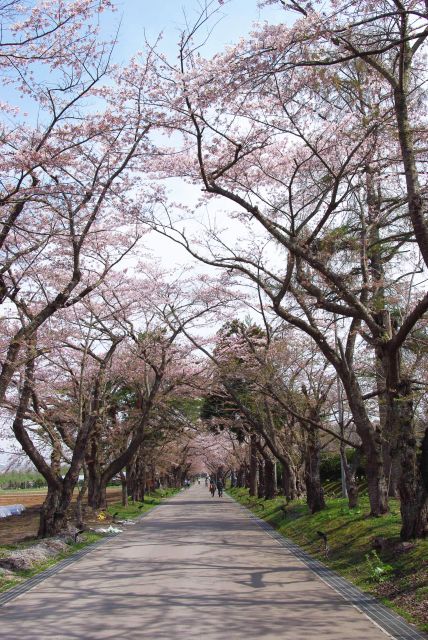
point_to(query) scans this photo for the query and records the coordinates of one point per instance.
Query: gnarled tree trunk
(289, 480)
(314, 490)
(413, 483)
(371, 439)
(270, 480)
(53, 515)
(351, 484)
(97, 499)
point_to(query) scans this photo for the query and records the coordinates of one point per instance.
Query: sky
(142, 19)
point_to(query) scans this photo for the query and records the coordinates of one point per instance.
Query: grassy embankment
(132, 511)
(399, 580)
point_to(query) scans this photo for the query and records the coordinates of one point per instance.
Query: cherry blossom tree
(275, 390)
(300, 130)
(101, 380)
(66, 167)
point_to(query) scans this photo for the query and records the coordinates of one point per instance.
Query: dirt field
(29, 498)
(18, 528)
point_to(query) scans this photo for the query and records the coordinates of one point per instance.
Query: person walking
(220, 487)
(212, 488)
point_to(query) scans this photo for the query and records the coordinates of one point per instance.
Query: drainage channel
(389, 622)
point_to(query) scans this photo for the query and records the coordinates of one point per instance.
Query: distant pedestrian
(212, 488)
(220, 488)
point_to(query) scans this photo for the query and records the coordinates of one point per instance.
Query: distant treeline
(21, 480)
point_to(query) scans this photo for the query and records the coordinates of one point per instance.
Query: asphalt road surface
(195, 567)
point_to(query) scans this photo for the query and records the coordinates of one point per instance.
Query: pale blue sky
(141, 17)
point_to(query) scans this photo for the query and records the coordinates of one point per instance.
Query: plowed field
(18, 528)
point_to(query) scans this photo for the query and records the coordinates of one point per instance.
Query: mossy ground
(402, 579)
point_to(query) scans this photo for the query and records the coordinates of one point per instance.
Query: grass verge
(9, 581)
(135, 509)
(132, 511)
(399, 580)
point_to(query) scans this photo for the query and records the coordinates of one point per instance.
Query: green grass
(333, 488)
(135, 509)
(350, 534)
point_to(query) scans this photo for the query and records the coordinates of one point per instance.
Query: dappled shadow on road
(193, 568)
(119, 611)
(195, 503)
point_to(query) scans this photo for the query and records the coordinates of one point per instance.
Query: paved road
(195, 567)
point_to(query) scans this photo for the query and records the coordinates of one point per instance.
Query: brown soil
(24, 527)
(27, 498)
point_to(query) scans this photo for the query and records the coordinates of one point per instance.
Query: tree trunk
(130, 480)
(152, 482)
(351, 484)
(142, 481)
(411, 486)
(94, 479)
(100, 496)
(376, 484)
(314, 491)
(79, 501)
(289, 481)
(93, 465)
(48, 513)
(240, 479)
(371, 439)
(392, 465)
(253, 480)
(261, 478)
(53, 515)
(269, 479)
(97, 491)
(413, 483)
(391, 462)
(136, 482)
(124, 489)
(415, 199)
(388, 376)
(178, 477)
(383, 319)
